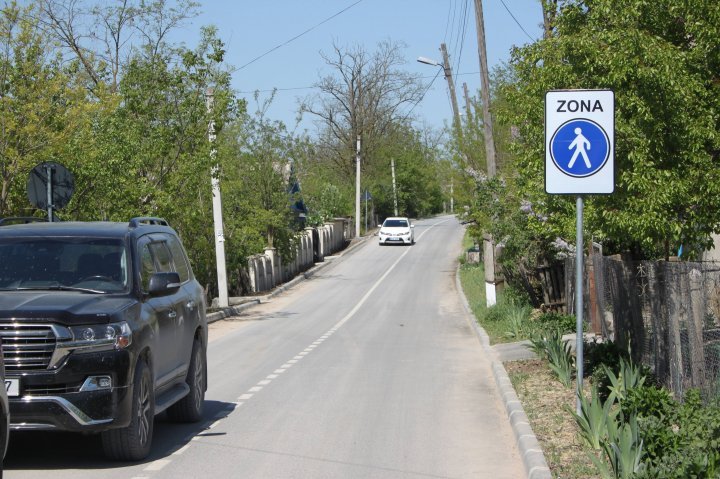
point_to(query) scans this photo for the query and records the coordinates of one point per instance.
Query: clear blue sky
(251, 28)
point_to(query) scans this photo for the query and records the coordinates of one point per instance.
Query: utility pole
(452, 197)
(451, 86)
(392, 167)
(357, 188)
(488, 243)
(217, 207)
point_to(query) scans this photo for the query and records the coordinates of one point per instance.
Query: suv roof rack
(147, 220)
(13, 220)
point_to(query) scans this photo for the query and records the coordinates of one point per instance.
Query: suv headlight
(100, 336)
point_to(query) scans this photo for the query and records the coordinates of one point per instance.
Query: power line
(297, 36)
(270, 90)
(447, 22)
(516, 21)
(422, 96)
(462, 40)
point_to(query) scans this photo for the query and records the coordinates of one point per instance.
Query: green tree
(256, 178)
(661, 59)
(39, 106)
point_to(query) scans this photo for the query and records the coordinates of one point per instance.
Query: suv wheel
(190, 408)
(132, 443)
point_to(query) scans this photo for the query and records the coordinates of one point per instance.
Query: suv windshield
(96, 265)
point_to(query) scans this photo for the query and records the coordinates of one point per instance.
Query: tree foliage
(101, 88)
(661, 59)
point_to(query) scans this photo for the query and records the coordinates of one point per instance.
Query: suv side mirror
(162, 284)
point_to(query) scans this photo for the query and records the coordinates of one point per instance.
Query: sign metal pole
(48, 171)
(579, 301)
(579, 160)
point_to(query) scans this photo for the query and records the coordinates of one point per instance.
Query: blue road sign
(580, 148)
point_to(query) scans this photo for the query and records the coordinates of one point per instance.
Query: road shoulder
(533, 458)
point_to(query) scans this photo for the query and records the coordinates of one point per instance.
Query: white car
(397, 230)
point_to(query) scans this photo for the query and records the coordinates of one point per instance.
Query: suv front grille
(27, 346)
(52, 390)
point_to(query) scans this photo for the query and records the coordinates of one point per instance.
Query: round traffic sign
(62, 185)
(579, 148)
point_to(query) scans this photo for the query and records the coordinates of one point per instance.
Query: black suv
(103, 326)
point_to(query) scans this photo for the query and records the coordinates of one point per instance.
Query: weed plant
(549, 344)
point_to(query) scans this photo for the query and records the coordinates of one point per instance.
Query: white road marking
(157, 465)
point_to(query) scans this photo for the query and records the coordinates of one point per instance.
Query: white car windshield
(395, 224)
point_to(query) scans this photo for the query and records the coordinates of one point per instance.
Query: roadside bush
(682, 440)
(597, 353)
(514, 295)
(647, 401)
(566, 323)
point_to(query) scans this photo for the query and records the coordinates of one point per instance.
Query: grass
(467, 243)
(499, 321)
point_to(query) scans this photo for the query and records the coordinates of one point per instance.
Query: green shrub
(564, 322)
(605, 352)
(516, 296)
(682, 440)
(648, 400)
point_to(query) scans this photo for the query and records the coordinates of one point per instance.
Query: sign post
(579, 160)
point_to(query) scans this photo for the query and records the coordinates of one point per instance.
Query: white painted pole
(392, 168)
(452, 198)
(217, 208)
(357, 189)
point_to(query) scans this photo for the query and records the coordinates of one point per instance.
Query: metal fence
(666, 313)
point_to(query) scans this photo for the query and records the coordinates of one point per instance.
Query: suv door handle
(191, 305)
(172, 314)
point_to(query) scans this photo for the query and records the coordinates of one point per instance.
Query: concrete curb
(249, 301)
(532, 454)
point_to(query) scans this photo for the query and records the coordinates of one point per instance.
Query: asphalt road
(367, 370)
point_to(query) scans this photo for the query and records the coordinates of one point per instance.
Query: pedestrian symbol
(580, 139)
(579, 143)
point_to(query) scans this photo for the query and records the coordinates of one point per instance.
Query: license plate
(12, 386)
